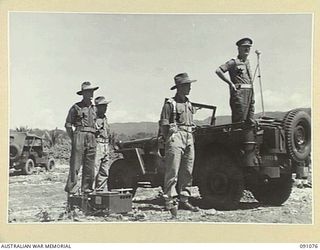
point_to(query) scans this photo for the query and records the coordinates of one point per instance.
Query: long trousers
(179, 159)
(102, 165)
(242, 105)
(83, 154)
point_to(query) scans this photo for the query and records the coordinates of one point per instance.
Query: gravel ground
(40, 198)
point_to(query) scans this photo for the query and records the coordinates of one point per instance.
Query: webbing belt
(244, 86)
(102, 140)
(187, 128)
(85, 129)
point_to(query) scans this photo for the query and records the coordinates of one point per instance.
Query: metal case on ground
(116, 201)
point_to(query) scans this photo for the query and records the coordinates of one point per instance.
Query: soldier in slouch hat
(176, 123)
(102, 137)
(80, 126)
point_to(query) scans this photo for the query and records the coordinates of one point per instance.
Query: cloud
(281, 101)
(152, 117)
(117, 115)
(43, 119)
(134, 116)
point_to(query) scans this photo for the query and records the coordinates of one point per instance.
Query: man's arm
(70, 132)
(164, 122)
(69, 122)
(220, 73)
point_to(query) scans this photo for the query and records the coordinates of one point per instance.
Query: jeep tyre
(297, 125)
(221, 181)
(122, 176)
(14, 152)
(50, 165)
(275, 191)
(28, 167)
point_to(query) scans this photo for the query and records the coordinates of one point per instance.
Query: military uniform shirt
(239, 71)
(81, 115)
(83, 152)
(184, 114)
(102, 128)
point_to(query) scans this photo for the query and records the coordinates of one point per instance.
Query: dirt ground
(40, 198)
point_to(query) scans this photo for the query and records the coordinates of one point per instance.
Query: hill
(145, 129)
(133, 128)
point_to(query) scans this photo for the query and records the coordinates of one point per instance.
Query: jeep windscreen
(29, 143)
(206, 117)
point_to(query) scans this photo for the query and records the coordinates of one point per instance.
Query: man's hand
(225, 79)
(232, 87)
(173, 129)
(70, 132)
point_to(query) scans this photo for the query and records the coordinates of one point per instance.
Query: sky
(133, 58)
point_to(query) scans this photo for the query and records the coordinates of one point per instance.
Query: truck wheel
(28, 167)
(274, 192)
(50, 164)
(122, 176)
(297, 125)
(221, 181)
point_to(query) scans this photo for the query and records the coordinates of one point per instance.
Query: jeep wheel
(221, 182)
(28, 167)
(273, 192)
(50, 164)
(297, 127)
(122, 176)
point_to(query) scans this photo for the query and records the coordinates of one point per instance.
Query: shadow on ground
(201, 203)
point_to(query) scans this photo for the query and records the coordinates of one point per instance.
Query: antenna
(258, 52)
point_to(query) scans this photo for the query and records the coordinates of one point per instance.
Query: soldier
(103, 131)
(240, 83)
(80, 126)
(176, 124)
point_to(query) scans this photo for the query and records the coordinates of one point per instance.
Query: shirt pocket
(240, 70)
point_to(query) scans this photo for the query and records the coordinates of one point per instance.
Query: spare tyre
(122, 176)
(14, 152)
(297, 125)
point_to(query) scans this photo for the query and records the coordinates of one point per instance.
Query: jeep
(228, 159)
(28, 151)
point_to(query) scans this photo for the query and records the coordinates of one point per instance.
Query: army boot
(172, 206)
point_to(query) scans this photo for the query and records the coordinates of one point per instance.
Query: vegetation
(59, 143)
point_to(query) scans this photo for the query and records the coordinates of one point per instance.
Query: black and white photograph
(168, 118)
(160, 118)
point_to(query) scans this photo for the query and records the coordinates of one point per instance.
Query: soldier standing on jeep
(240, 83)
(176, 123)
(102, 134)
(80, 126)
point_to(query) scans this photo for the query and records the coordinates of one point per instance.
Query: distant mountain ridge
(151, 128)
(132, 128)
